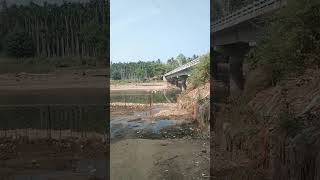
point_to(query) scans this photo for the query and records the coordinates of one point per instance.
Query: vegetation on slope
(292, 43)
(201, 73)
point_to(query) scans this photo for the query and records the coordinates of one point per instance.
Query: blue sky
(152, 29)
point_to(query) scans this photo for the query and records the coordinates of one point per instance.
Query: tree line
(147, 69)
(70, 29)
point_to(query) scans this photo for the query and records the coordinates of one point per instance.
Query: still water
(144, 97)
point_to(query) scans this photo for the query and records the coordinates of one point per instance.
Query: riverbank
(63, 78)
(270, 132)
(156, 86)
(60, 87)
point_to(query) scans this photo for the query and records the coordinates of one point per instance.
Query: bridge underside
(179, 79)
(248, 32)
(234, 43)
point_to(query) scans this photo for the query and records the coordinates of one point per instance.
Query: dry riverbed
(163, 143)
(141, 86)
(170, 159)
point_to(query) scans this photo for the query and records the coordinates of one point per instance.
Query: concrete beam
(248, 32)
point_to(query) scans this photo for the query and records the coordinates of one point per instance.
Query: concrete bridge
(179, 75)
(234, 34)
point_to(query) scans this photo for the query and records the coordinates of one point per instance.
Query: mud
(162, 145)
(70, 158)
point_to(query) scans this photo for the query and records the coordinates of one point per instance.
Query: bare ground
(67, 158)
(141, 87)
(61, 87)
(178, 159)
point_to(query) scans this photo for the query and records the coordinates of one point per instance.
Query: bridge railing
(185, 66)
(258, 7)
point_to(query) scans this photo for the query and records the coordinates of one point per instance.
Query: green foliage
(116, 75)
(201, 73)
(292, 43)
(19, 44)
(181, 59)
(172, 64)
(66, 29)
(290, 124)
(95, 36)
(144, 70)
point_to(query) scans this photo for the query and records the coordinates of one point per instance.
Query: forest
(49, 30)
(146, 69)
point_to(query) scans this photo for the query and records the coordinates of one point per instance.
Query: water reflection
(143, 97)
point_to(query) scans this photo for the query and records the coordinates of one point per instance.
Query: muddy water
(139, 125)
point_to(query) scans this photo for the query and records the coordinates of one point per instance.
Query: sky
(158, 29)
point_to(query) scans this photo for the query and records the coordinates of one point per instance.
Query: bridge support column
(236, 53)
(183, 83)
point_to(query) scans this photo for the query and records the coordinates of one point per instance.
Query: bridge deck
(183, 67)
(255, 9)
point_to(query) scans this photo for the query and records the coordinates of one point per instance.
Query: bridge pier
(180, 82)
(178, 76)
(184, 82)
(235, 53)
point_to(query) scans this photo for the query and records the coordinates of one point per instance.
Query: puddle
(135, 126)
(124, 127)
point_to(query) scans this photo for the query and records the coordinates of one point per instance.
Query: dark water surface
(144, 97)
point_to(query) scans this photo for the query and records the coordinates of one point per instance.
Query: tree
(201, 73)
(69, 29)
(292, 42)
(19, 44)
(194, 57)
(144, 69)
(116, 75)
(181, 59)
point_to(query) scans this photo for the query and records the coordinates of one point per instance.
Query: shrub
(116, 75)
(292, 42)
(201, 73)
